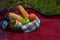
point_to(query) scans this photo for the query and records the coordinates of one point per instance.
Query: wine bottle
(10, 21)
(13, 24)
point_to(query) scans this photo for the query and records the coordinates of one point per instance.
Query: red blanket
(49, 30)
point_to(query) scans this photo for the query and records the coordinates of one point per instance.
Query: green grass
(7, 3)
(46, 7)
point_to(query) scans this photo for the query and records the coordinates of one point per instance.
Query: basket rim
(33, 21)
(24, 26)
(37, 19)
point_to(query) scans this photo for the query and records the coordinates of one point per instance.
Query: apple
(32, 16)
(25, 21)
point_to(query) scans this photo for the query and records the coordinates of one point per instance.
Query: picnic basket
(30, 27)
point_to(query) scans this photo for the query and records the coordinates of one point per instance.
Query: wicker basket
(30, 27)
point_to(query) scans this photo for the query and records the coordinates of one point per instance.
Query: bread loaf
(15, 16)
(23, 11)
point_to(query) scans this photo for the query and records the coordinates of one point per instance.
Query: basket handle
(18, 4)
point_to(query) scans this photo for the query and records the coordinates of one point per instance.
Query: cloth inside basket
(32, 26)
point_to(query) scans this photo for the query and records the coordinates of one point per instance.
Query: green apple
(26, 21)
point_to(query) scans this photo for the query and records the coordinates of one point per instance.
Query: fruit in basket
(32, 16)
(26, 21)
(23, 11)
(15, 16)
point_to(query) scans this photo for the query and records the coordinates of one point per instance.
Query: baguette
(23, 11)
(15, 16)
